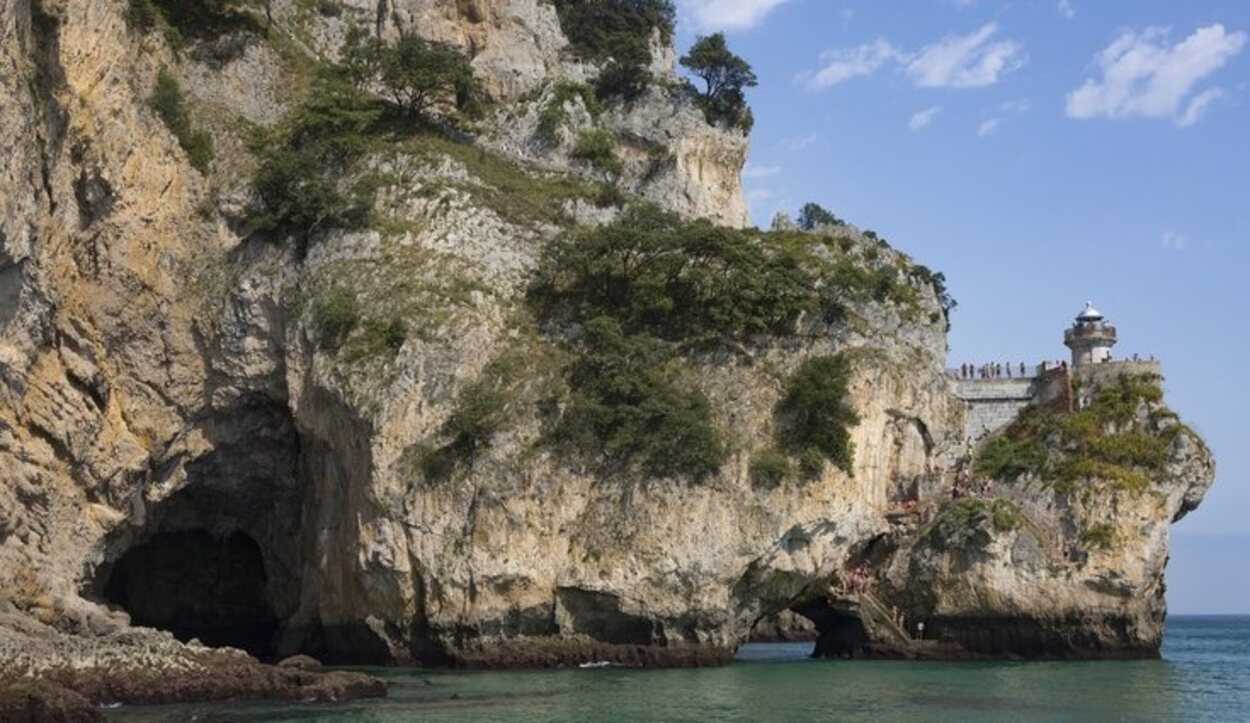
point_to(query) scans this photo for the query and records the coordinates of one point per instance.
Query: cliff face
(167, 387)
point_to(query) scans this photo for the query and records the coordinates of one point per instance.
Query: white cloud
(846, 63)
(1175, 241)
(956, 61)
(923, 118)
(1198, 106)
(753, 171)
(965, 61)
(728, 14)
(1143, 76)
(1066, 9)
(988, 126)
(798, 143)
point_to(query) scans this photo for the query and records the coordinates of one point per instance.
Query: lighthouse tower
(1090, 338)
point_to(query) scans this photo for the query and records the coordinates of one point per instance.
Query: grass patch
(554, 114)
(168, 102)
(598, 148)
(335, 317)
(1100, 535)
(512, 193)
(770, 468)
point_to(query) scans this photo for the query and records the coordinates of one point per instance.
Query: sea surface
(1204, 676)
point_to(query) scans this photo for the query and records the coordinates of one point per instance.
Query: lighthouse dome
(1090, 313)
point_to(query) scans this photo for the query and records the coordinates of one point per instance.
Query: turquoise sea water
(1204, 676)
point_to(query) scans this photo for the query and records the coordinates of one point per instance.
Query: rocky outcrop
(50, 676)
(170, 406)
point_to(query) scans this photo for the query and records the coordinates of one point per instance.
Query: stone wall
(992, 403)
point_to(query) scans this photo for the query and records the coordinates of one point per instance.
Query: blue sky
(1040, 153)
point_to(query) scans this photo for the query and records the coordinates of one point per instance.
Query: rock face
(673, 157)
(165, 388)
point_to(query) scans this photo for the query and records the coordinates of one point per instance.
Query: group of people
(966, 486)
(990, 371)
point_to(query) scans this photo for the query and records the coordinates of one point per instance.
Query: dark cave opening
(198, 585)
(841, 632)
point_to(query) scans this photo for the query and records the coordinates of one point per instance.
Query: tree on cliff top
(596, 28)
(725, 75)
(813, 216)
(617, 34)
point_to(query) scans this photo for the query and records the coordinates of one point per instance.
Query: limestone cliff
(169, 390)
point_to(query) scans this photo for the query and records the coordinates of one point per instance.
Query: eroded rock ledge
(48, 675)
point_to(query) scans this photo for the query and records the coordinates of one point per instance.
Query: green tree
(595, 28)
(617, 34)
(303, 159)
(626, 75)
(813, 216)
(815, 414)
(725, 76)
(419, 74)
(415, 74)
(626, 407)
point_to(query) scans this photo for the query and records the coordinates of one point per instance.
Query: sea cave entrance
(195, 584)
(841, 629)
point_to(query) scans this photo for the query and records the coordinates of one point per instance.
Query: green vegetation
(815, 416)
(811, 463)
(1002, 514)
(692, 280)
(597, 29)
(1005, 516)
(922, 274)
(502, 186)
(428, 81)
(169, 104)
(598, 148)
(770, 468)
(305, 159)
(142, 15)
(553, 115)
(1100, 535)
(335, 317)
(813, 216)
(378, 337)
(674, 279)
(481, 411)
(654, 286)
(616, 34)
(1100, 442)
(628, 405)
(725, 76)
(197, 19)
(626, 75)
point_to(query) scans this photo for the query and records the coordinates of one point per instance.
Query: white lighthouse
(1090, 338)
